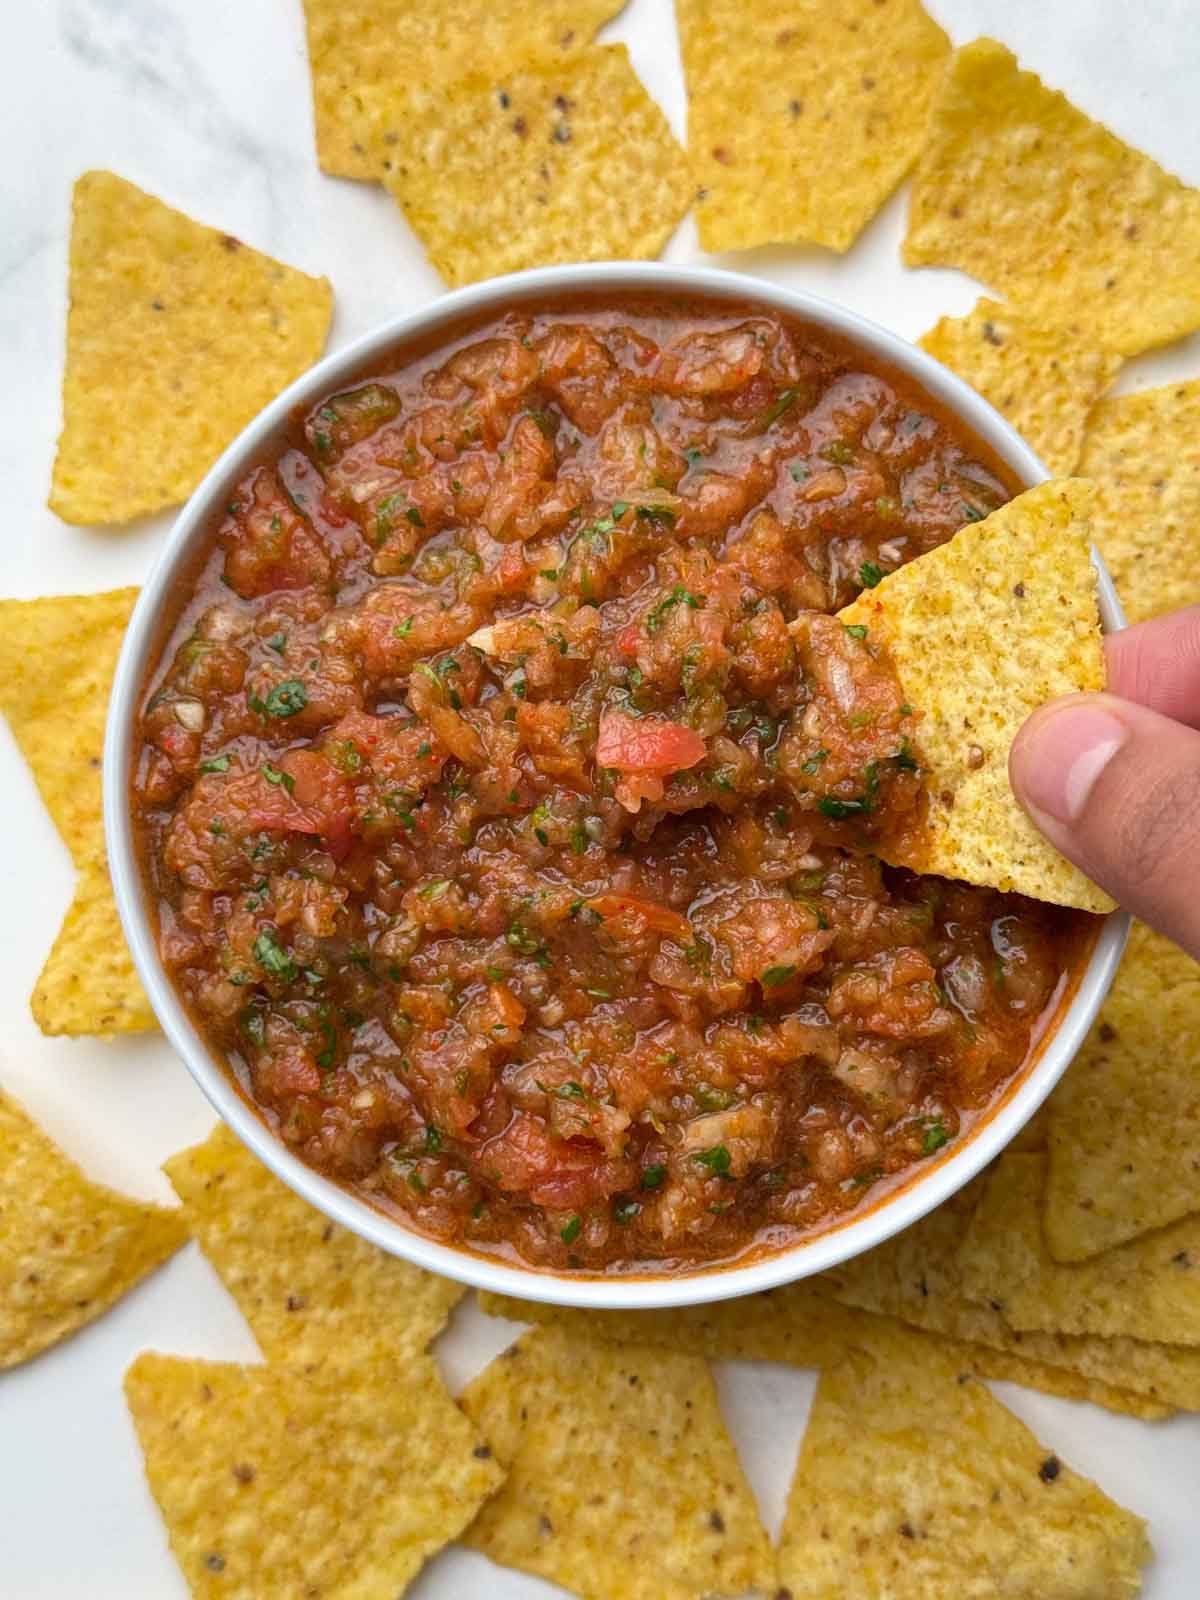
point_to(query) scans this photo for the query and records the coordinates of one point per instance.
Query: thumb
(1116, 787)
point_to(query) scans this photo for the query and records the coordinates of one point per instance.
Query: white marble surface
(205, 102)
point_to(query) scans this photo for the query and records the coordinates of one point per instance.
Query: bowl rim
(917, 1194)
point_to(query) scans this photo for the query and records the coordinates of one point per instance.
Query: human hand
(1113, 780)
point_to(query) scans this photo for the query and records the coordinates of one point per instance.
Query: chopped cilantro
(658, 514)
(215, 764)
(624, 1211)
(935, 1136)
(814, 761)
(653, 1175)
(828, 806)
(774, 976)
(856, 630)
(403, 629)
(717, 1160)
(678, 596)
(572, 1230)
(272, 957)
(869, 574)
(275, 776)
(782, 401)
(286, 699)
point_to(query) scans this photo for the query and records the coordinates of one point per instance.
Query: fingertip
(1060, 752)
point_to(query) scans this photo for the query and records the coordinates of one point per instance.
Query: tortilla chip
(88, 984)
(1044, 380)
(801, 1326)
(982, 631)
(556, 159)
(276, 1483)
(623, 1484)
(917, 1278)
(310, 1291)
(1035, 1135)
(177, 334)
(1125, 1120)
(1146, 1289)
(57, 659)
(356, 44)
(803, 117)
(1020, 189)
(1144, 450)
(915, 1484)
(69, 1248)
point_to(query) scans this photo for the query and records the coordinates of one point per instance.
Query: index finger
(1157, 664)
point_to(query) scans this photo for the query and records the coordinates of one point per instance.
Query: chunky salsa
(510, 793)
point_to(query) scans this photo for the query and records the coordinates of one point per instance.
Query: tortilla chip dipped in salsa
(69, 1248)
(357, 45)
(916, 1483)
(57, 658)
(622, 1481)
(803, 116)
(277, 1482)
(1044, 380)
(981, 632)
(1019, 188)
(177, 334)
(525, 164)
(310, 1291)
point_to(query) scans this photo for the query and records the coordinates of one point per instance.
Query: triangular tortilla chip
(917, 1278)
(1024, 192)
(1146, 1289)
(560, 158)
(311, 1291)
(1125, 1120)
(278, 1483)
(800, 1326)
(57, 658)
(1144, 452)
(1044, 380)
(623, 1484)
(917, 1484)
(177, 335)
(803, 116)
(69, 1248)
(89, 984)
(981, 632)
(356, 44)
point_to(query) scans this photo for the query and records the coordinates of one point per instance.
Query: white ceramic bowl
(919, 1194)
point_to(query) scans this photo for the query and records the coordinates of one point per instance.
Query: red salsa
(510, 793)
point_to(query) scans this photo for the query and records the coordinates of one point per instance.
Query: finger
(1157, 664)
(1116, 787)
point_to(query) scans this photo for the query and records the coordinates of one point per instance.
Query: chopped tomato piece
(632, 912)
(647, 744)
